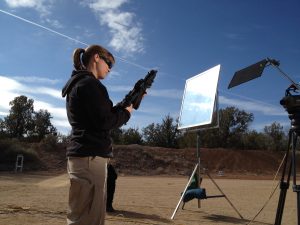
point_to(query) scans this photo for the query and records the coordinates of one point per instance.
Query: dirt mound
(141, 160)
(145, 160)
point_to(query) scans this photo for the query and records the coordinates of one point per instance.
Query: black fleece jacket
(91, 115)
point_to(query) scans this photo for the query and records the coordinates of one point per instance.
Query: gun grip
(137, 102)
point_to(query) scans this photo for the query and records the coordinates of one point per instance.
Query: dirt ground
(41, 199)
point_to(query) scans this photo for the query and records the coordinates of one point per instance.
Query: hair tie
(81, 56)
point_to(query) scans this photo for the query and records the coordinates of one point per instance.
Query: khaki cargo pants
(87, 194)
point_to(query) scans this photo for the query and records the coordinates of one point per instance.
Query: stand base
(213, 196)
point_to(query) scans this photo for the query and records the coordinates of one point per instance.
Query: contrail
(68, 37)
(43, 27)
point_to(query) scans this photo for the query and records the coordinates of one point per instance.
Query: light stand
(199, 111)
(197, 166)
(292, 105)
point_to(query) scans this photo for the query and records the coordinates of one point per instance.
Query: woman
(91, 115)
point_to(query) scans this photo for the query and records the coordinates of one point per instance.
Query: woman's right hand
(129, 108)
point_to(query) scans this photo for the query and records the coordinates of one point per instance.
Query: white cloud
(58, 112)
(54, 23)
(126, 33)
(22, 3)
(38, 5)
(3, 113)
(163, 93)
(166, 93)
(43, 7)
(202, 106)
(43, 90)
(150, 114)
(125, 30)
(253, 106)
(119, 88)
(11, 88)
(107, 4)
(33, 79)
(113, 74)
(59, 120)
(83, 33)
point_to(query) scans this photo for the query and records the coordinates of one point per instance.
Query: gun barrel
(150, 77)
(135, 95)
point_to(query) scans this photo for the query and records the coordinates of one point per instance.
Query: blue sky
(179, 38)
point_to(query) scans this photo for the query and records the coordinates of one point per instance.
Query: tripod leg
(199, 167)
(284, 185)
(296, 188)
(224, 195)
(181, 198)
(298, 206)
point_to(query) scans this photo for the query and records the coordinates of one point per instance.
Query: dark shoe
(110, 209)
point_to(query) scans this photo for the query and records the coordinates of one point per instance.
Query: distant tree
(116, 135)
(210, 138)
(187, 140)
(23, 122)
(151, 134)
(2, 126)
(131, 136)
(233, 124)
(3, 133)
(276, 135)
(169, 132)
(19, 120)
(163, 135)
(42, 124)
(255, 140)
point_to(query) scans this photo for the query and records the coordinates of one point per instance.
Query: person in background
(91, 115)
(111, 186)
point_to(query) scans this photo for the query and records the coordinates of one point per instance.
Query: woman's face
(102, 68)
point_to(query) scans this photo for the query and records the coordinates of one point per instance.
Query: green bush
(10, 148)
(49, 143)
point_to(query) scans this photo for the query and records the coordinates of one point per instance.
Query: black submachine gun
(135, 96)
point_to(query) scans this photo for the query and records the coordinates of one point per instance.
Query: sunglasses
(107, 61)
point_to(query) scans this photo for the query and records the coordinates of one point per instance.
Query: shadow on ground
(232, 220)
(135, 215)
